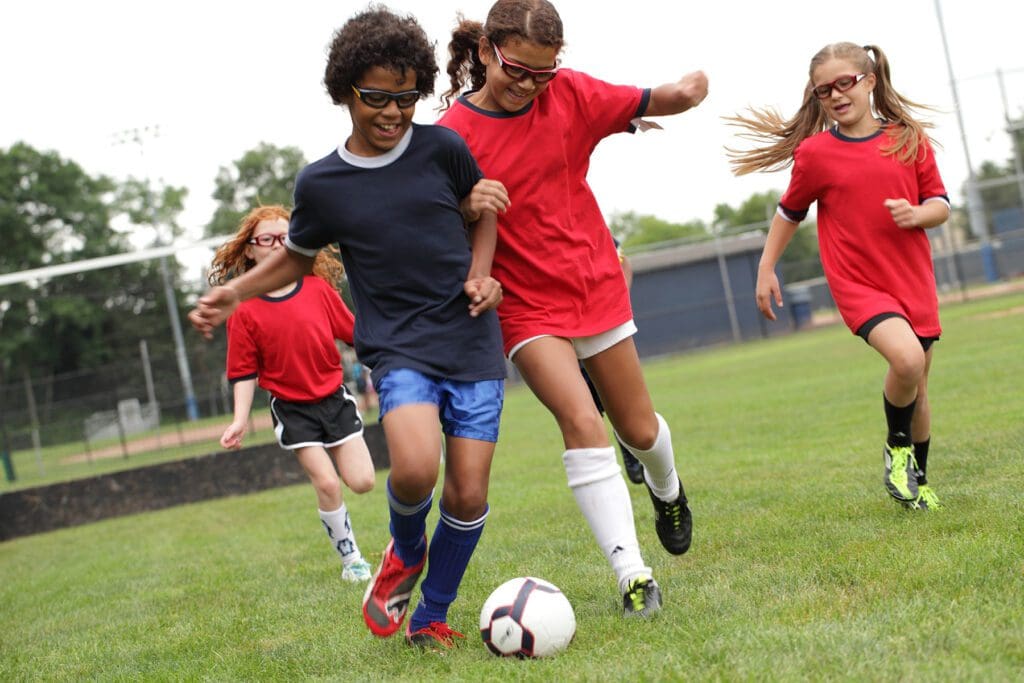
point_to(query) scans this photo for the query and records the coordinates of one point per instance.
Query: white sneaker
(356, 572)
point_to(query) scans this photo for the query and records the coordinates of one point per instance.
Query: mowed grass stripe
(801, 567)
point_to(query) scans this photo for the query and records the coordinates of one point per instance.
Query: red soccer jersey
(555, 259)
(872, 265)
(287, 342)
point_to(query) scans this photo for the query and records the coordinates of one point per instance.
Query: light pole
(723, 271)
(975, 208)
(137, 135)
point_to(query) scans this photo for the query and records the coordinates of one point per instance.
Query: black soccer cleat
(634, 469)
(673, 522)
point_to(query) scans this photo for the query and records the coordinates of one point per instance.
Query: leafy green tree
(801, 260)
(1008, 195)
(52, 212)
(757, 210)
(264, 175)
(155, 207)
(633, 229)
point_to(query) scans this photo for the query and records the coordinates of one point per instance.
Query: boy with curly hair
(393, 197)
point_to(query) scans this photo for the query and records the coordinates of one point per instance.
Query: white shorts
(588, 346)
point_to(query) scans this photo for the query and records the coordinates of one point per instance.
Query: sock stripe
(407, 509)
(460, 525)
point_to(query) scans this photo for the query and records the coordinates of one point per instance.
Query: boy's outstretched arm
(277, 270)
(675, 98)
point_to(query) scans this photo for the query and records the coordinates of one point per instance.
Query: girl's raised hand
(484, 294)
(486, 195)
(766, 291)
(903, 212)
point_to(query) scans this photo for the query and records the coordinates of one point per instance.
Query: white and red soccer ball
(527, 617)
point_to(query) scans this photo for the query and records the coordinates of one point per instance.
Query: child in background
(285, 341)
(533, 127)
(870, 167)
(392, 196)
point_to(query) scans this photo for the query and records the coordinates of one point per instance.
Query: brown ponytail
(535, 21)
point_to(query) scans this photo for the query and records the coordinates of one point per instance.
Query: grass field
(801, 568)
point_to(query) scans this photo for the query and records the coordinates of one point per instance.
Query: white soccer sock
(339, 531)
(659, 463)
(601, 494)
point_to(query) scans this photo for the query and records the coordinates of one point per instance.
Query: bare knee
(328, 489)
(582, 426)
(362, 482)
(640, 434)
(413, 486)
(908, 366)
(465, 505)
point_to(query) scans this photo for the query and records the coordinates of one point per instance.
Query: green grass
(801, 569)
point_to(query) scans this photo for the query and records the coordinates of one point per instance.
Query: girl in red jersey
(285, 341)
(878, 188)
(532, 127)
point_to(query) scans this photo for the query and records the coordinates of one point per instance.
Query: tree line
(52, 212)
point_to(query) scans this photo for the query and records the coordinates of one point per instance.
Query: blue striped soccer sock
(408, 526)
(450, 551)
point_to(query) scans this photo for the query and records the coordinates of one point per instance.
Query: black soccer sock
(921, 455)
(898, 418)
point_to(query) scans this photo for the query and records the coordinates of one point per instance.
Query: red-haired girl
(284, 340)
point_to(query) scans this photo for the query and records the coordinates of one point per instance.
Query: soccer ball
(527, 617)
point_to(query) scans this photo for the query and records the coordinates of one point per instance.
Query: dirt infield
(183, 437)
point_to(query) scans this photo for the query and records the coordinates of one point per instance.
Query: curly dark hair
(378, 37)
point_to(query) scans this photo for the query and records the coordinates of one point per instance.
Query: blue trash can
(798, 299)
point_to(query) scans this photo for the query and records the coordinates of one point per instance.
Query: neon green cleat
(642, 597)
(900, 473)
(926, 499)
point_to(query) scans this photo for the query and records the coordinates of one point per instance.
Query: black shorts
(864, 330)
(329, 422)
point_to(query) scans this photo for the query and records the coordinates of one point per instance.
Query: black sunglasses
(378, 99)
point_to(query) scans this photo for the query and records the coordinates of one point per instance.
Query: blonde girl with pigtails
(857, 149)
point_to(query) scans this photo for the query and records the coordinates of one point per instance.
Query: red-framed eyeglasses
(518, 72)
(842, 84)
(267, 239)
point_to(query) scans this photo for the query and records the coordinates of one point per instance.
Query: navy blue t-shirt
(406, 252)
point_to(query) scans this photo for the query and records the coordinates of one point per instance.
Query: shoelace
(929, 498)
(391, 569)
(442, 632)
(898, 466)
(637, 591)
(674, 512)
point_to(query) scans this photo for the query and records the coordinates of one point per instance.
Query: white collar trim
(380, 160)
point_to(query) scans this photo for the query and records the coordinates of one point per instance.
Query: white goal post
(47, 272)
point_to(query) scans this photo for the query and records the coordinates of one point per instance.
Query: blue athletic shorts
(470, 410)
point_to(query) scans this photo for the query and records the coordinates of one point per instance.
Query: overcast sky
(217, 78)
